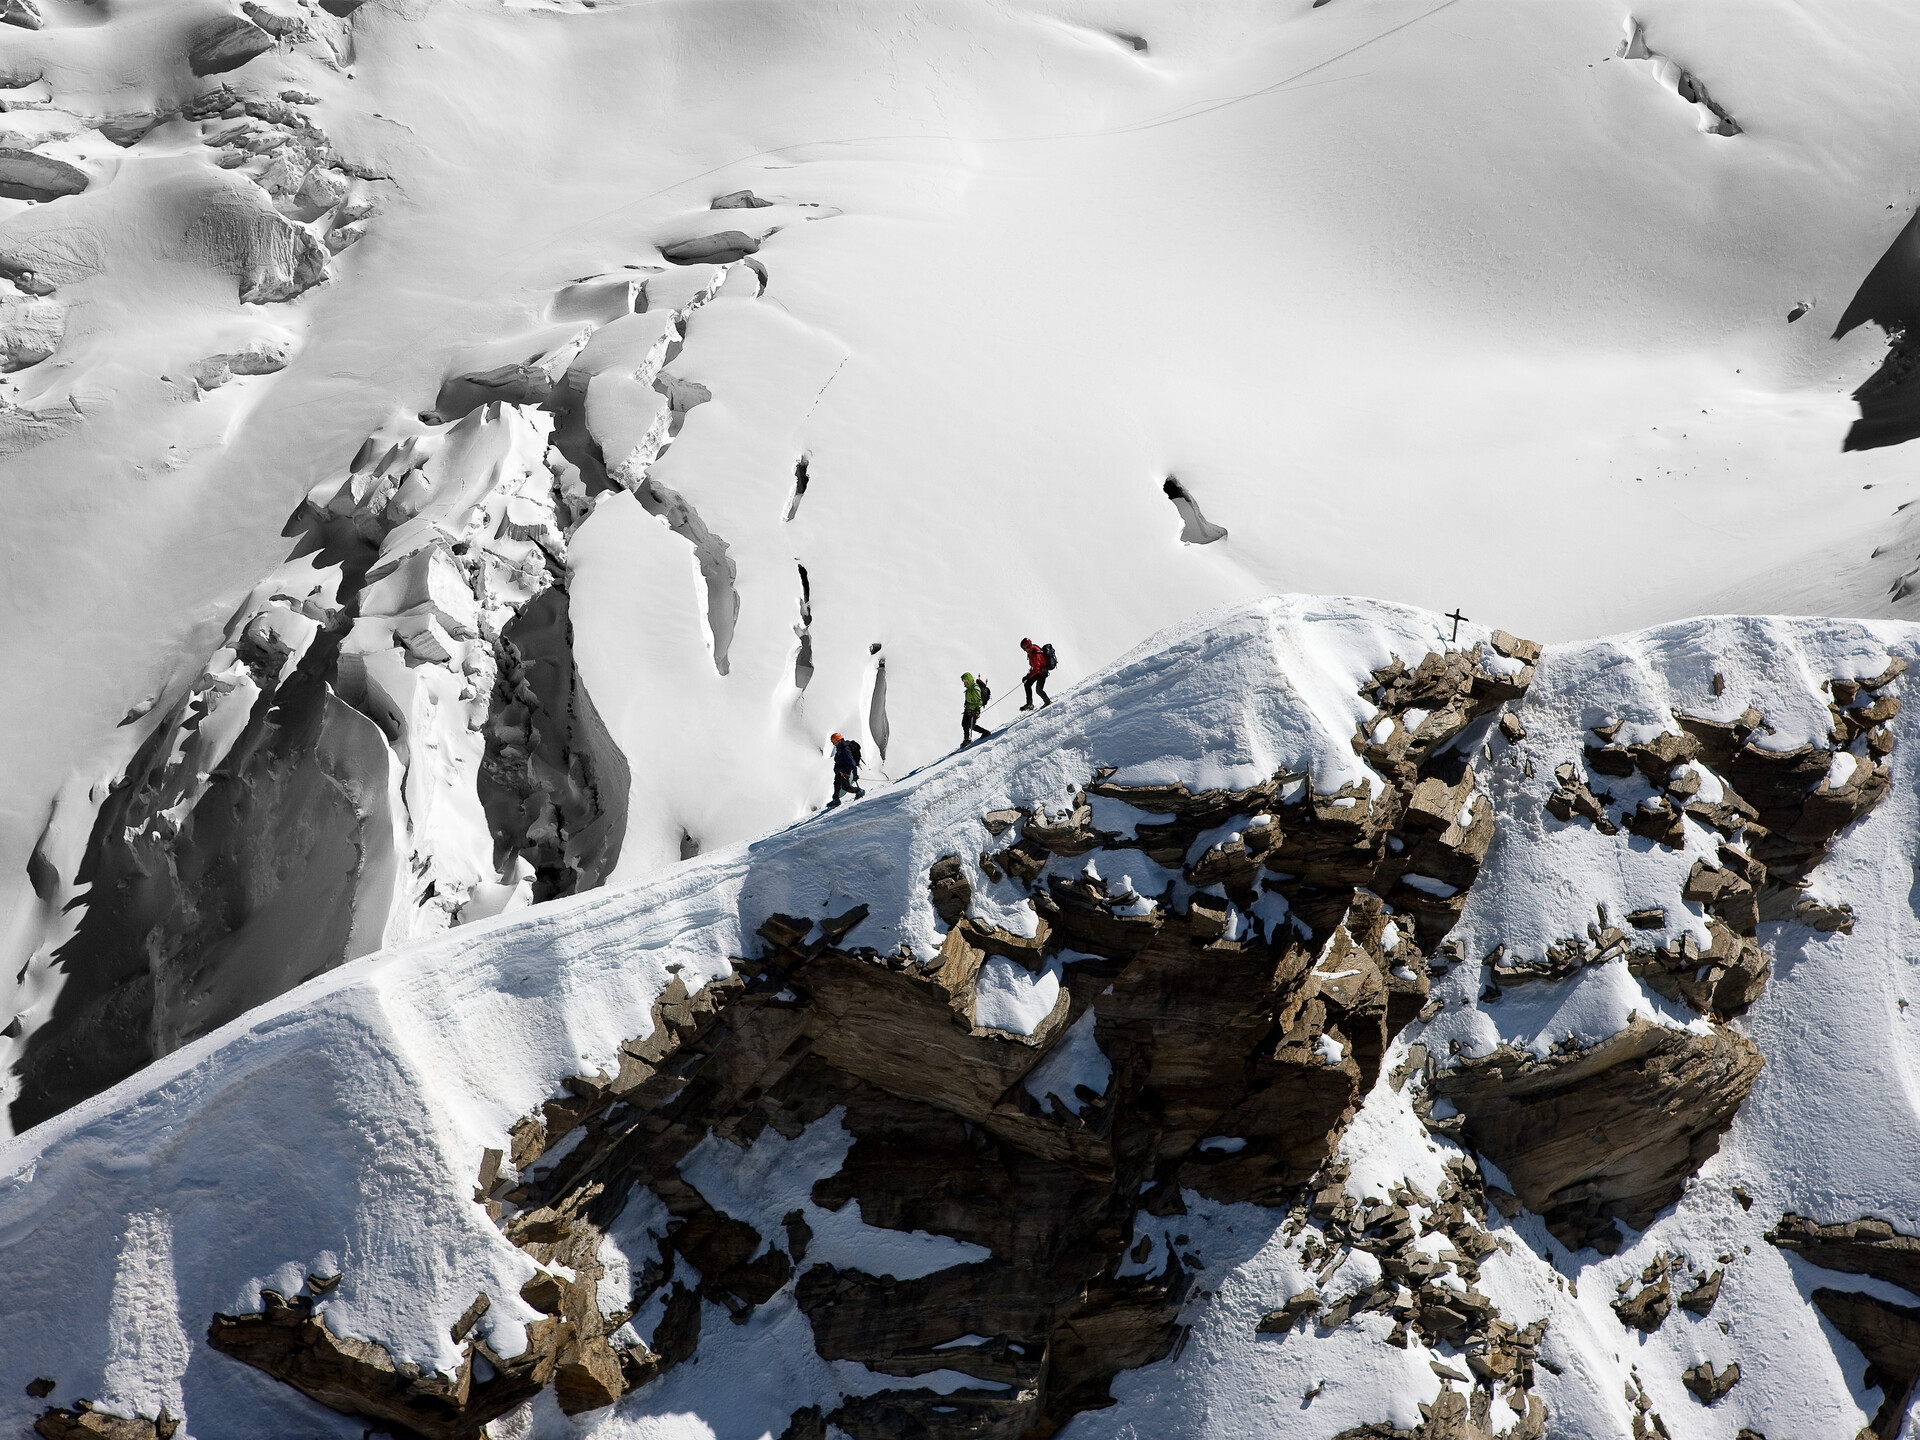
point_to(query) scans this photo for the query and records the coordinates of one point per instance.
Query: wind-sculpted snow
(655, 1185)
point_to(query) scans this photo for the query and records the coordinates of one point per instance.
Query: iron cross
(1456, 617)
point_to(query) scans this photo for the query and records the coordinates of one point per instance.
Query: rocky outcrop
(1708, 1384)
(1434, 1297)
(289, 1341)
(1612, 1130)
(1889, 1336)
(83, 1422)
(1788, 805)
(1886, 1333)
(1186, 1047)
(1603, 1131)
(1858, 1247)
(1645, 1305)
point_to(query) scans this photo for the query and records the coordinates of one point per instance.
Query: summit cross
(1456, 617)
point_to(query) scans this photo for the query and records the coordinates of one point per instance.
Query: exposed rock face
(1889, 1336)
(288, 1340)
(25, 175)
(85, 1423)
(1613, 1130)
(1709, 1385)
(1609, 1130)
(24, 13)
(1231, 1060)
(1425, 1297)
(1788, 804)
(1858, 1247)
(1886, 1333)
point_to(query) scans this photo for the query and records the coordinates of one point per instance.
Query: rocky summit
(1263, 1008)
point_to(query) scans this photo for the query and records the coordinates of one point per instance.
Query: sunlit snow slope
(1449, 302)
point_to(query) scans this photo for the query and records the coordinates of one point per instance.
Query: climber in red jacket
(1039, 662)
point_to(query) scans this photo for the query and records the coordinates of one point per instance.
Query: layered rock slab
(1608, 1130)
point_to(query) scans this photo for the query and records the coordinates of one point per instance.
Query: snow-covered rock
(805, 1086)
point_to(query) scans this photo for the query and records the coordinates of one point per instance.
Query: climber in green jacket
(975, 702)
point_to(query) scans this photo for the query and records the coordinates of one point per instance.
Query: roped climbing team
(975, 697)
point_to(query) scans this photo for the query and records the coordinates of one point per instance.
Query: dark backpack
(853, 749)
(986, 691)
(1052, 659)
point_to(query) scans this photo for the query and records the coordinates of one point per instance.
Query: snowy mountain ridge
(460, 459)
(1277, 761)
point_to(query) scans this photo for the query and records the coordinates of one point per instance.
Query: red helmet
(836, 737)
(1025, 641)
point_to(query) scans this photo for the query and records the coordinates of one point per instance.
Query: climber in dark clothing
(846, 769)
(970, 709)
(1039, 663)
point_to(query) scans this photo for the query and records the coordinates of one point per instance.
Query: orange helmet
(836, 737)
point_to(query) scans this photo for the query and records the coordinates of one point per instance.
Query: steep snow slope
(1264, 1278)
(1462, 304)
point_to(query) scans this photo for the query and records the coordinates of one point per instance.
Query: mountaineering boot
(1029, 705)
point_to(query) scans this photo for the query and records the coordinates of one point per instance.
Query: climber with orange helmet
(846, 769)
